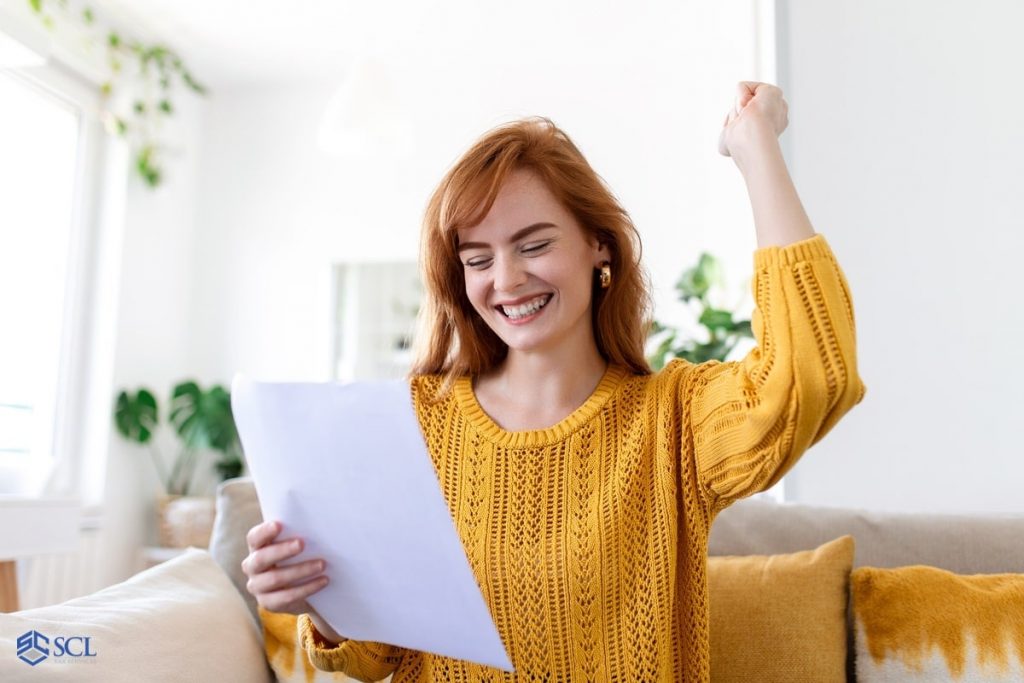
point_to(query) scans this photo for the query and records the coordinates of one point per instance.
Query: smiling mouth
(526, 310)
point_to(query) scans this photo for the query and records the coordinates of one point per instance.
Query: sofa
(757, 531)
(964, 544)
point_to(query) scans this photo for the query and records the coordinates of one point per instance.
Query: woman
(582, 484)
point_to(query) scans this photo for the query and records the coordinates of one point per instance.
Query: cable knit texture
(589, 539)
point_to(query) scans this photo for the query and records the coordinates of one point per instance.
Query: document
(345, 467)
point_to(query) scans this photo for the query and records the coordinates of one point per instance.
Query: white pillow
(181, 620)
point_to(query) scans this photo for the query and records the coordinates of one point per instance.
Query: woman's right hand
(280, 589)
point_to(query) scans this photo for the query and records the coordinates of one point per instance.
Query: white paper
(345, 467)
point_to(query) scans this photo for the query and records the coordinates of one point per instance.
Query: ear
(601, 253)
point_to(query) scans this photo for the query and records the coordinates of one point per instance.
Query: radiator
(53, 578)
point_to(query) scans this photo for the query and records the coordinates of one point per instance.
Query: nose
(509, 274)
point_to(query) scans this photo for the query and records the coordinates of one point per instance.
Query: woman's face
(529, 268)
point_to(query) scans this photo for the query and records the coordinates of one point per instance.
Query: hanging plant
(134, 103)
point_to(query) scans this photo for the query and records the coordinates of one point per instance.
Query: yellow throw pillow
(285, 655)
(927, 624)
(780, 617)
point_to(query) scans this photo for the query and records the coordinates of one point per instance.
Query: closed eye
(537, 247)
(526, 250)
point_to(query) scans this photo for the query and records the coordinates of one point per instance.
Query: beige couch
(964, 544)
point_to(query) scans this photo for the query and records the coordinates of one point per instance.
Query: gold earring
(606, 275)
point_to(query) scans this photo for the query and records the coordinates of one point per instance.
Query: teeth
(527, 308)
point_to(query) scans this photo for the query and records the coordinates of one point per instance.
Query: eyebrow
(519, 234)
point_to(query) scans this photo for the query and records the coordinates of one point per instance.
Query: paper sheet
(345, 467)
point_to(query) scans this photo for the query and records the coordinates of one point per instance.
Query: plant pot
(184, 521)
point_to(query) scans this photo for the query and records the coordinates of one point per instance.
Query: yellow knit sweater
(589, 538)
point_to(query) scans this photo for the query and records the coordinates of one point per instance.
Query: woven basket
(184, 521)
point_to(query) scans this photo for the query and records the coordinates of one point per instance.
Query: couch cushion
(966, 544)
(238, 510)
(780, 617)
(926, 624)
(178, 621)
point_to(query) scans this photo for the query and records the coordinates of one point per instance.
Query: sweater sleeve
(362, 660)
(752, 419)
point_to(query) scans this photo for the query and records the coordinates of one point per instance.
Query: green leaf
(697, 281)
(714, 350)
(113, 40)
(229, 467)
(36, 5)
(710, 268)
(716, 319)
(204, 419)
(191, 83)
(139, 107)
(165, 107)
(136, 417)
(692, 285)
(742, 328)
(146, 167)
(87, 15)
(186, 404)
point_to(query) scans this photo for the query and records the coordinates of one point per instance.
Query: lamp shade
(365, 116)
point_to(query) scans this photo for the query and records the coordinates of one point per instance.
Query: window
(42, 138)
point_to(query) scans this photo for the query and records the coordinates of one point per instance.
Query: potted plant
(723, 331)
(202, 421)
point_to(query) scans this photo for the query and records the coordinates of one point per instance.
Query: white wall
(640, 95)
(155, 338)
(906, 144)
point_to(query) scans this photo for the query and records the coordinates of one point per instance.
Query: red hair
(452, 340)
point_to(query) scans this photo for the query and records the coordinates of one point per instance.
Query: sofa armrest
(238, 510)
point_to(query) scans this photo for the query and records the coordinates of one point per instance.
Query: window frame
(61, 472)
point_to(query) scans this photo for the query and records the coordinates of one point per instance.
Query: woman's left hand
(759, 110)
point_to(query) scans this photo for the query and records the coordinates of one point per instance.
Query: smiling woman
(582, 484)
(534, 287)
(523, 215)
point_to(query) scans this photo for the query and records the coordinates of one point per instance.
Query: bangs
(471, 191)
